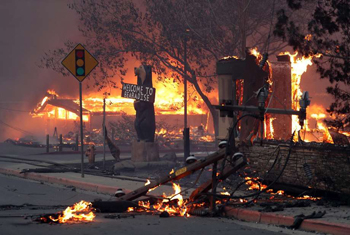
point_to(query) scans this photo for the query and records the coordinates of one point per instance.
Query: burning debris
(27, 141)
(173, 205)
(255, 184)
(201, 202)
(80, 212)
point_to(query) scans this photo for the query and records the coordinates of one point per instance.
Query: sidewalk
(93, 183)
(336, 220)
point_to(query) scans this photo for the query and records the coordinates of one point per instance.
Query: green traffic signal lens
(80, 71)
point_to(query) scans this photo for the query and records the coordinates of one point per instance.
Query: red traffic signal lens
(79, 54)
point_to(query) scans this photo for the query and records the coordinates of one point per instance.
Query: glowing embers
(174, 204)
(80, 212)
(198, 133)
(255, 184)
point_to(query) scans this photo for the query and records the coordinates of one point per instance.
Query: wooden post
(76, 142)
(213, 190)
(47, 143)
(61, 144)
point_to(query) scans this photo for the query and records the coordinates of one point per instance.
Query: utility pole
(186, 132)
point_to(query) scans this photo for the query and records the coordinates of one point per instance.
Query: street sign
(79, 62)
(142, 93)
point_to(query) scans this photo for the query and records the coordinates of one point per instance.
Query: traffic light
(80, 62)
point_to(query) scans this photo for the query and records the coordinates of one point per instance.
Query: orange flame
(52, 92)
(148, 182)
(299, 66)
(225, 193)
(169, 100)
(166, 204)
(55, 112)
(254, 185)
(308, 37)
(319, 113)
(80, 212)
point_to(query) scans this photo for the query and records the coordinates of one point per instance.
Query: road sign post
(81, 129)
(79, 62)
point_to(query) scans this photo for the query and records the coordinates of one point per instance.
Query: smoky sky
(28, 29)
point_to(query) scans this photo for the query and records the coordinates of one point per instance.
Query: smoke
(311, 82)
(28, 29)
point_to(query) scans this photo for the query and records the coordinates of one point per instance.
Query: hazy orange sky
(29, 28)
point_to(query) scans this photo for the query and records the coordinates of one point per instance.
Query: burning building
(283, 78)
(63, 112)
(314, 165)
(60, 112)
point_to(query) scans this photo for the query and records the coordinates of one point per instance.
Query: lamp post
(186, 131)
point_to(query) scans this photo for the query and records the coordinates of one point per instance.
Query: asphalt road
(16, 191)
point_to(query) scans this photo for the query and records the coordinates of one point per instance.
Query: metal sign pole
(104, 133)
(79, 62)
(81, 129)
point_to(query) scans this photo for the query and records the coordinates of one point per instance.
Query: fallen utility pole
(183, 172)
(228, 170)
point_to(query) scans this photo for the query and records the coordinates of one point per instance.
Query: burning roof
(51, 98)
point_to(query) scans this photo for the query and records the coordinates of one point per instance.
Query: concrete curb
(241, 214)
(275, 219)
(62, 181)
